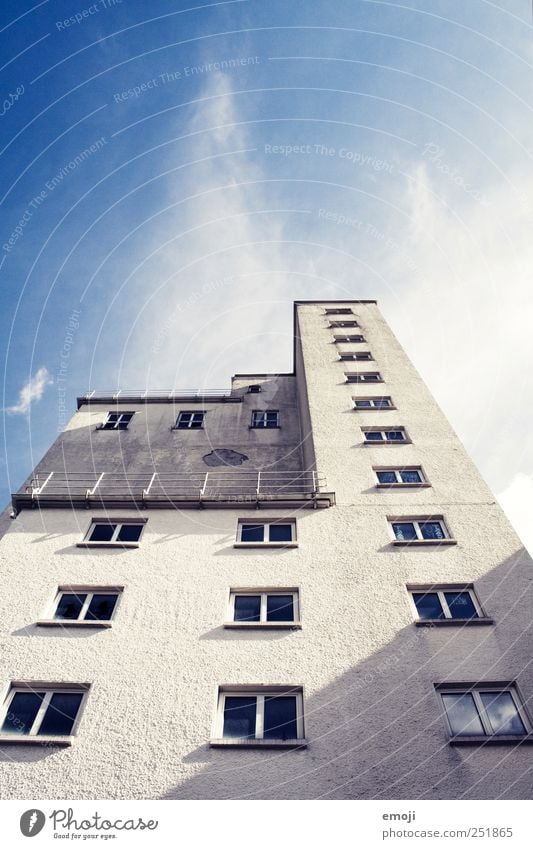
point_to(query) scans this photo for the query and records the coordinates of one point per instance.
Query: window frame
(264, 426)
(338, 311)
(120, 414)
(372, 407)
(400, 484)
(475, 690)
(264, 592)
(254, 389)
(383, 430)
(82, 589)
(363, 377)
(192, 414)
(356, 356)
(266, 542)
(50, 688)
(417, 521)
(441, 589)
(349, 339)
(112, 543)
(259, 692)
(333, 325)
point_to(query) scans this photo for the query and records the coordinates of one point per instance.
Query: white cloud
(32, 391)
(517, 502)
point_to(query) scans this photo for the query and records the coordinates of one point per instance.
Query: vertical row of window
(473, 711)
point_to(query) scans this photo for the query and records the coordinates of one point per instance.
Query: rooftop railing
(53, 488)
(143, 395)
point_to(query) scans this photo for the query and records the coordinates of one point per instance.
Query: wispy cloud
(32, 391)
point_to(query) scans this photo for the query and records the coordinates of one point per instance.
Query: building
(297, 588)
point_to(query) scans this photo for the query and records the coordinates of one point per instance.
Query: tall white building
(297, 588)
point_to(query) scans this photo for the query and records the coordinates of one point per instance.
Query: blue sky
(174, 175)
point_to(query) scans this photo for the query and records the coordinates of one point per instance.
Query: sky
(175, 174)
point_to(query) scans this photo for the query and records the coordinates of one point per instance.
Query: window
(348, 338)
(339, 311)
(266, 418)
(447, 603)
(189, 421)
(420, 530)
(271, 716)
(343, 324)
(363, 377)
(125, 533)
(384, 435)
(84, 606)
(356, 355)
(275, 608)
(401, 476)
(483, 712)
(374, 403)
(267, 532)
(37, 711)
(117, 421)
(254, 388)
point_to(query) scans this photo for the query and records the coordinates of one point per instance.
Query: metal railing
(154, 394)
(145, 486)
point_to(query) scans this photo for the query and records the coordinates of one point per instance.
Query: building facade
(297, 588)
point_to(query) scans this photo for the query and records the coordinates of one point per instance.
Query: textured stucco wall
(372, 717)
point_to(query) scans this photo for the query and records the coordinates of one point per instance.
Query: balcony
(167, 490)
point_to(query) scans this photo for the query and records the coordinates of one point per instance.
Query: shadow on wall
(378, 730)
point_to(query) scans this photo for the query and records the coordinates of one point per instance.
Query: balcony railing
(139, 396)
(166, 488)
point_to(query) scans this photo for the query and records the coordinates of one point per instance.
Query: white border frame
(263, 592)
(49, 688)
(259, 691)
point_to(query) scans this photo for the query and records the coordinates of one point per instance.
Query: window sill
(438, 623)
(491, 740)
(107, 545)
(187, 428)
(69, 623)
(417, 542)
(263, 427)
(387, 442)
(245, 743)
(265, 545)
(365, 383)
(373, 409)
(421, 485)
(287, 626)
(10, 739)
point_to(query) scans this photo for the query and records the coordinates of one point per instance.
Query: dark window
(267, 418)
(254, 388)
(382, 402)
(247, 608)
(252, 533)
(22, 712)
(129, 533)
(410, 476)
(70, 606)
(395, 435)
(404, 530)
(280, 718)
(191, 421)
(428, 605)
(431, 530)
(280, 608)
(280, 533)
(362, 403)
(102, 533)
(101, 606)
(117, 421)
(462, 713)
(339, 311)
(386, 477)
(373, 436)
(502, 713)
(239, 716)
(461, 605)
(61, 713)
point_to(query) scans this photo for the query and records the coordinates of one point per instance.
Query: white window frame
(440, 590)
(80, 622)
(113, 542)
(259, 692)
(373, 406)
(400, 484)
(349, 338)
(263, 414)
(49, 689)
(417, 521)
(339, 311)
(335, 324)
(264, 593)
(266, 524)
(363, 356)
(120, 414)
(190, 413)
(475, 691)
(363, 377)
(383, 431)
